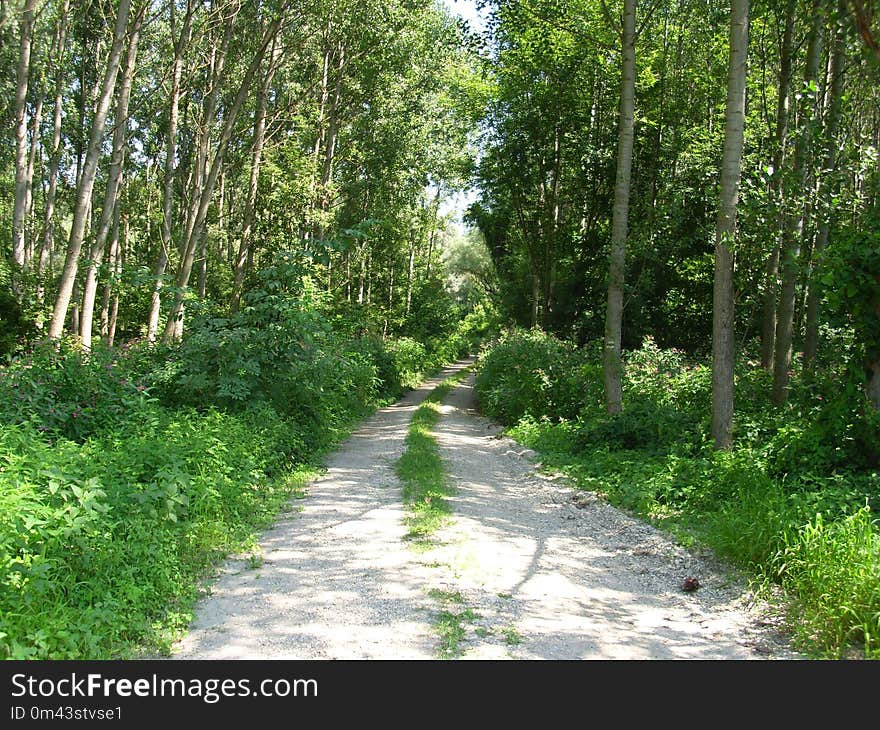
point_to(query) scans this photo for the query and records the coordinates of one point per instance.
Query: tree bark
(113, 274)
(48, 238)
(723, 344)
(180, 45)
(617, 261)
(794, 226)
(768, 330)
(87, 178)
(114, 180)
(21, 148)
(195, 227)
(244, 247)
(410, 272)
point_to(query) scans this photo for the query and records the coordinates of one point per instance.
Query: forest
(228, 233)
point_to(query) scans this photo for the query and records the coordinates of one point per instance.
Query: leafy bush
(409, 360)
(64, 391)
(645, 424)
(102, 543)
(531, 373)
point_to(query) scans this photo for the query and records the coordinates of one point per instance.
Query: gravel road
(527, 568)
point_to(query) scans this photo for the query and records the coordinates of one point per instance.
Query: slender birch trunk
(244, 248)
(617, 261)
(195, 226)
(180, 44)
(794, 227)
(723, 352)
(87, 179)
(768, 327)
(21, 147)
(114, 180)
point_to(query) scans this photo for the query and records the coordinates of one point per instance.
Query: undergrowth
(128, 474)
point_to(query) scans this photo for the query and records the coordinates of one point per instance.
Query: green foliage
(102, 543)
(832, 566)
(279, 351)
(850, 280)
(529, 372)
(13, 324)
(408, 360)
(63, 391)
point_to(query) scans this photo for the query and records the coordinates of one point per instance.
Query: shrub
(66, 392)
(533, 373)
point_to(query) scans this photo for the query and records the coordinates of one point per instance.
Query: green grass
(422, 472)
(451, 622)
(511, 636)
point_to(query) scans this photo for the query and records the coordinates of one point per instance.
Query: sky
(467, 10)
(459, 203)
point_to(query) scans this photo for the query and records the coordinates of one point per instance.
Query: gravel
(534, 569)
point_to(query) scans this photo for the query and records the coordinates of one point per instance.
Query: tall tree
(87, 175)
(768, 332)
(723, 343)
(180, 42)
(828, 186)
(794, 228)
(617, 259)
(114, 184)
(19, 250)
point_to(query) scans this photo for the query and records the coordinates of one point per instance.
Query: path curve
(537, 570)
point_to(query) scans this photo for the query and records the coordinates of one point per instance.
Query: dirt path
(523, 571)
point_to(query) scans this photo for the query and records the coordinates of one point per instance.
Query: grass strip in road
(421, 469)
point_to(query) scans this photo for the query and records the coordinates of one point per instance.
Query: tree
(617, 259)
(723, 343)
(795, 220)
(22, 183)
(87, 177)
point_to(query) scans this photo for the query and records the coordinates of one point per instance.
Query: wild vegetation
(681, 202)
(226, 236)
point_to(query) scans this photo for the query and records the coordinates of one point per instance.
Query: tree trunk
(87, 179)
(114, 306)
(617, 261)
(410, 272)
(113, 271)
(48, 238)
(794, 226)
(203, 267)
(829, 169)
(21, 148)
(723, 348)
(180, 45)
(768, 329)
(114, 180)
